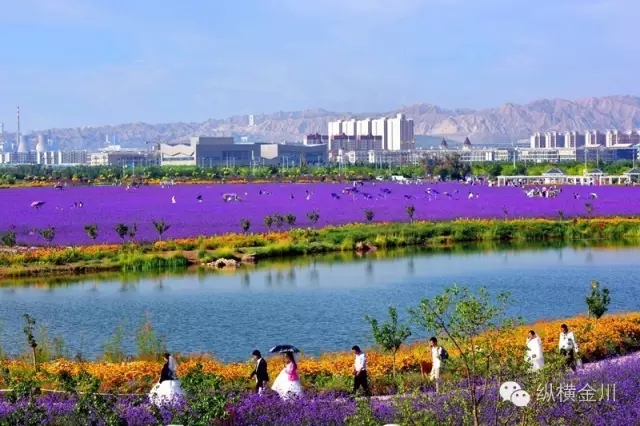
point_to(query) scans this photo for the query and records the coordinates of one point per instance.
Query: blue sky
(90, 62)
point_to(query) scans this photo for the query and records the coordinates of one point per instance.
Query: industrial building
(293, 154)
(48, 158)
(207, 151)
(115, 155)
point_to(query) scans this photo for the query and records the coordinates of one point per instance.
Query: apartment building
(395, 134)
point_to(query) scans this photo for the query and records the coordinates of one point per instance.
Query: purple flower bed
(619, 408)
(107, 206)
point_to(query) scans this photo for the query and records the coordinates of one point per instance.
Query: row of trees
(448, 168)
(124, 231)
(276, 220)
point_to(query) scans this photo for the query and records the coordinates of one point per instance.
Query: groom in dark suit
(260, 372)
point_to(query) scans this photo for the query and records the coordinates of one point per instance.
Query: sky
(71, 63)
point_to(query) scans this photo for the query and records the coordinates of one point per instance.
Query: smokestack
(22, 141)
(18, 117)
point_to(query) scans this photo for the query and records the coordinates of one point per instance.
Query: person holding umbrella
(287, 384)
(260, 372)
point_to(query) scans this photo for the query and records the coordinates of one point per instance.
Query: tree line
(450, 168)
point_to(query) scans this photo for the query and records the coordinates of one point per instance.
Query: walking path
(586, 368)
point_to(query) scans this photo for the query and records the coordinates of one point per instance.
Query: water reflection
(411, 267)
(369, 269)
(277, 271)
(245, 279)
(589, 257)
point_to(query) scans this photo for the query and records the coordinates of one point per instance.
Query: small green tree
(410, 210)
(114, 348)
(9, 239)
(92, 231)
(290, 218)
(161, 227)
(313, 217)
(245, 224)
(589, 208)
(133, 230)
(268, 222)
(48, 234)
(390, 335)
(29, 330)
(149, 344)
(598, 300)
(473, 324)
(122, 230)
(369, 214)
(278, 220)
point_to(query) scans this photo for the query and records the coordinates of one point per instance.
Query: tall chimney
(18, 117)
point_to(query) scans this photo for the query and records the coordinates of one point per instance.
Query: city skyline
(75, 63)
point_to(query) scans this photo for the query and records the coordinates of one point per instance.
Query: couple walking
(287, 384)
(567, 344)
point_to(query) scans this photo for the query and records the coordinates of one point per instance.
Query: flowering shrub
(597, 339)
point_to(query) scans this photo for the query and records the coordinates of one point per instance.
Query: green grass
(172, 255)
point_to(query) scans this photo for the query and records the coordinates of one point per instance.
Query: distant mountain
(504, 124)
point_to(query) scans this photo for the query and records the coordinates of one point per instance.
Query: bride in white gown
(287, 384)
(168, 387)
(534, 356)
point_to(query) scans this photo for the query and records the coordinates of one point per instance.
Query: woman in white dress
(287, 384)
(168, 387)
(534, 355)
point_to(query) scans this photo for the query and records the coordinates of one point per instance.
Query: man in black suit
(260, 372)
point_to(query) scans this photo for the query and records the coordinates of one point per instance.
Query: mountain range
(504, 124)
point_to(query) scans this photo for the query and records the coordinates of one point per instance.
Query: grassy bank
(360, 237)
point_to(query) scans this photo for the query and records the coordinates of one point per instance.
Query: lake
(315, 304)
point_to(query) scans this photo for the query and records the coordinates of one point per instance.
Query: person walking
(360, 378)
(287, 384)
(568, 346)
(534, 356)
(260, 372)
(436, 362)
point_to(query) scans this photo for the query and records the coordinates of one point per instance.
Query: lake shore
(232, 251)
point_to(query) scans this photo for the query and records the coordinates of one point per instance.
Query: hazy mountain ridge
(505, 123)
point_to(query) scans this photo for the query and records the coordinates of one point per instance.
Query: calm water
(316, 306)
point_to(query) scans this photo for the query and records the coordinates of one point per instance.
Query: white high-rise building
(379, 128)
(573, 140)
(399, 133)
(554, 140)
(538, 140)
(334, 129)
(363, 127)
(349, 127)
(594, 138)
(252, 121)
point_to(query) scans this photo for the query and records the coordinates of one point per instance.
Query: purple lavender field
(188, 217)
